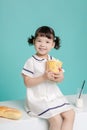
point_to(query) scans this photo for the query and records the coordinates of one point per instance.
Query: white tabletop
(19, 104)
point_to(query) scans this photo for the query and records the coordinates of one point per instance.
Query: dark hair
(46, 32)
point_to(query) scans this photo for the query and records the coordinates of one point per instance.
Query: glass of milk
(79, 98)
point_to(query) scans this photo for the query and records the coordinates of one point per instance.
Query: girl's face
(43, 45)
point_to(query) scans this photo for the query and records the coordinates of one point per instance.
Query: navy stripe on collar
(50, 57)
(41, 59)
(37, 59)
(53, 108)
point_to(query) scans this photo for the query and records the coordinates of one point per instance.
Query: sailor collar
(41, 59)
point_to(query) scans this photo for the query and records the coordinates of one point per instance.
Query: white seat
(32, 123)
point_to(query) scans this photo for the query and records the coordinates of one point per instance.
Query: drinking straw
(81, 88)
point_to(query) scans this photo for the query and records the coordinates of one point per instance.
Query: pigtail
(30, 40)
(57, 42)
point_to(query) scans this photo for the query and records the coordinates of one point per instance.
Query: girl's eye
(47, 42)
(38, 40)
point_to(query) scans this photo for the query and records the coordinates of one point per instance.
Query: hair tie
(54, 38)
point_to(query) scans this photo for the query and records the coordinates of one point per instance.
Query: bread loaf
(10, 113)
(53, 65)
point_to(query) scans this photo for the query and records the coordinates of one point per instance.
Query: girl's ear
(53, 45)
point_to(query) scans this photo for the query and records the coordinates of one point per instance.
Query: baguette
(10, 113)
(53, 65)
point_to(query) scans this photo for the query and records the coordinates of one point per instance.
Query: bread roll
(53, 65)
(10, 113)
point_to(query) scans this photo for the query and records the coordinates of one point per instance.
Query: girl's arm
(30, 82)
(56, 77)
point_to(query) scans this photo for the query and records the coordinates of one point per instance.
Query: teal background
(19, 19)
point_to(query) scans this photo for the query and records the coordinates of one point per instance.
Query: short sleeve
(28, 68)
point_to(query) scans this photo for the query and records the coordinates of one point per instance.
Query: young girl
(44, 98)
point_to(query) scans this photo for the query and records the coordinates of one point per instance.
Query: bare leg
(55, 123)
(68, 120)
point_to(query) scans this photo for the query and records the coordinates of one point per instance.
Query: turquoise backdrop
(19, 19)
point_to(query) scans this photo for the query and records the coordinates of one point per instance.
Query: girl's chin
(41, 54)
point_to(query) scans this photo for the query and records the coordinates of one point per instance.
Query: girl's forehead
(43, 37)
(46, 35)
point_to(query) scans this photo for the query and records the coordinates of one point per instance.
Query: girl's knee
(55, 120)
(72, 113)
(69, 114)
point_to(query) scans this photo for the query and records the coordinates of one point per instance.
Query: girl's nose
(42, 44)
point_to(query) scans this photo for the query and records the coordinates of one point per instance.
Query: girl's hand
(48, 75)
(56, 77)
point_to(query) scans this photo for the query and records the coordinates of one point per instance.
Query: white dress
(44, 100)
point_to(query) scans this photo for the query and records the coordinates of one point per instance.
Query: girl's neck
(42, 56)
